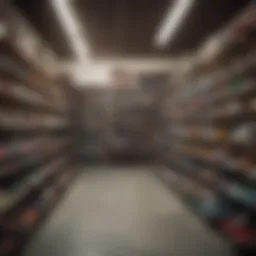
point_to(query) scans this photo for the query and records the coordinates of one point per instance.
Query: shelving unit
(211, 155)
(37, 136)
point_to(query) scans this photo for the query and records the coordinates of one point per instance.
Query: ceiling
(126, 28)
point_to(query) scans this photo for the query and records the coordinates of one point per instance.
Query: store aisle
(123, 212)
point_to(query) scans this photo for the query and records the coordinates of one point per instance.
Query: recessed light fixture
(72, 28)
(172, 21)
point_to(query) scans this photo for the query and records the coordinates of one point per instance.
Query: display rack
(36, 133)
(212, 150)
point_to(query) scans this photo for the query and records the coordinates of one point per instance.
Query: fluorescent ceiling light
(71, 26)
(172, 21)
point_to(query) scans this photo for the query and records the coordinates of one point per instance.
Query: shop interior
(127, 127)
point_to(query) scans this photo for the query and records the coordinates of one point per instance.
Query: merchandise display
(36, 134)
(212, 133)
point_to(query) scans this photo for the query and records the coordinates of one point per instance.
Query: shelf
(8, 47)
(15, 223)
(46, 171)
(30, 128)
(224, 142)
(190, 174)
(36, 133)
(243, 116)
(212, 145)
(240, 201)
(8, 98)
(215, 186)
(210, 222)
(226, 96)
(244, 94)
(10, 200)
(223, 168)
(41, 206)
(199, 138)
(9, 69)
(213, 119)
(28, 160)
(9, 151)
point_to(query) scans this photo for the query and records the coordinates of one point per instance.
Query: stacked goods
(35, 135)
(212, 146)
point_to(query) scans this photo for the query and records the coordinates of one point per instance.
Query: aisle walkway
(123, 212)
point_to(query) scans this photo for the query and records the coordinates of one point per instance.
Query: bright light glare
(171, 22)
(70, 23)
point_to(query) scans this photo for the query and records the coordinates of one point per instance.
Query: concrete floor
(123, 212)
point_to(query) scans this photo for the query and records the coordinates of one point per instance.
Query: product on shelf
(211, 133)
(36, 135)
